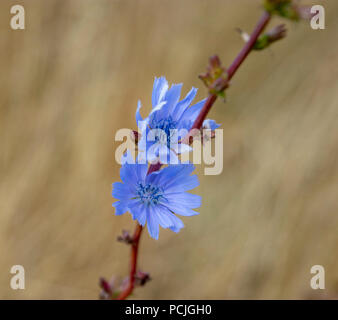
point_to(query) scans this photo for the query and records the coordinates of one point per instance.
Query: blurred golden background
(72, 78)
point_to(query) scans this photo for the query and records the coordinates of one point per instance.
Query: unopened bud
(125, 237)
(263, 41)
(305, 13)
(215, 79)
(141, 278)
(106, 292)
(276, 33)
(284, 8)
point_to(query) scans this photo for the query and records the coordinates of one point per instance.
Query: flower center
(165, 130)
(149, 194)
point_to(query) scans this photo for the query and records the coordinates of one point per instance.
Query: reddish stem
(133, 263)
(263, 21)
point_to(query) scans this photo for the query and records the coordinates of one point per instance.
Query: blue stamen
(166, 125)
(149, 194)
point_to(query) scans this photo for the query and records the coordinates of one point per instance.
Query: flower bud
(275, 34)
(215, 79)
(141, 278)
(284, 8)
(106, 292)
(125, 237)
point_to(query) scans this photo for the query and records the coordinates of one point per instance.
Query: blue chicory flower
(168, 114)
(156, 198)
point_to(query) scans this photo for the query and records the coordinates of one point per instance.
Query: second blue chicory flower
(155, 199)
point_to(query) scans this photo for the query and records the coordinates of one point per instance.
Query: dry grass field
(72, 78)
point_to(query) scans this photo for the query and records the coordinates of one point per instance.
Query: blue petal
(183, 184)
(152, 223)
(162, 216)
(173, 157)
(177, 223)
(127, 158)
(120, 207)
(131, 174)
(191, 113)
(141, 171)
(138, 114)
(153, 152)
(138, 211)
(157, 114)
(142, 143)
(166, 110)
(154, 114)
(210, 124)
(128, 176)
(121, 191)
(184, 104)
(173, 95)
(183, 198)
(179, 208)
(172, 176)
(164, 152)
(159, 90)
